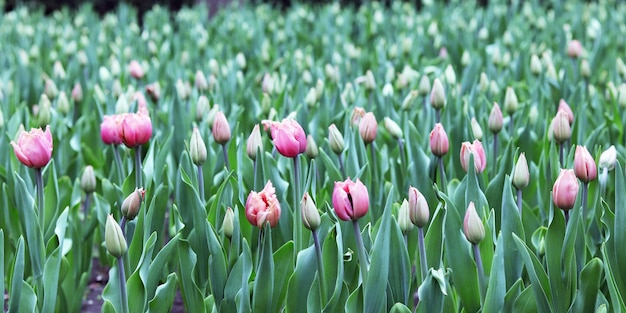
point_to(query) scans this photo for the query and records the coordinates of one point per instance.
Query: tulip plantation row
(320, 159)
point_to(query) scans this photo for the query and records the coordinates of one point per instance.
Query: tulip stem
(201, 183)
(364, 263)
(125, 256)
(40, 199)
(341, 167)
(519, 202)
(122, 278)
(255, 165)
(566, 212)
(442, 181)
(481, 272)
(87, 204)
(297, 221)
(422, 249)
(320, 266)
(402, 156)
(495, 154)
(437, 115)
(138, 170)
(511, 126)
(118, 162)
(225, 153)
(561, 148)
(584, 201)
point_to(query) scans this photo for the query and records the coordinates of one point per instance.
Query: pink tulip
(135, 69)
(136, 129)
(221, 128)
(368, 127)
(350, 199)
(574, 49)
(111, 129)
(142, 104)
(34, 148)
(439, 144)
(418, 208)
(563, 106)
(475, 148)
(565, 189)
(584, 165)
(263, 206)
(288, 137)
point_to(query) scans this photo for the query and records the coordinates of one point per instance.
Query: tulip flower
(132, 204)
(607, 161)
(561, 131)
(311, 147)
(474, 233)
(584, 165)
(228, 225)
(476, 149)
(136, 129)
(310, 215)
(574, 49)
(34, 148)
(221, 128)
(115, 244)
(565, 191)
(495, 119)
(563, 106)
(288, 137)
(197, 148)
(419, 215)
(135, 69)
(263, 206)
(439, 141)
(368, 128)
(350, 199)
(88, 180)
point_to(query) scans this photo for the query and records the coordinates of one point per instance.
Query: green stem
(481, 273)
(320, 266)
(561, 148)
(519, 202)
(138, 170)
(40, 199)
(495, 154)
(442, 178)
(201, 183)
(511, 126)
(402, 156)
(297, 221)
(255, 165)
(364, 262)
(87, 204)
(122, 278)
(437, 115)
(341, 167)
(584, 201)
(422, 249)
(566, 212)
(118, 163)
(225, 154)
(125, 256)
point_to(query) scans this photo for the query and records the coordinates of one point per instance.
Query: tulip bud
(240, 58)
(561, 128)
(221, 128)
(200, 81)
(510, 101)
(521, 176)
(368, 80)
(254, 142)
(58, 70)
(202, 107)
(267, 85)
(565, 190)
(331, 72)
(114, 239)
(404, 221)
(63, 104)
(197, 148)
(132, 203)
(50, 89)
(228, 224)
(608, 158)
(424, 85)
(43, 114)
(99, 94)
(408, 100)
(88, 180)
(477, 131)
(210, 117)
(535, 65)
(418, 208)
(495, 119)
(621, 95)
(437, 95)
(565, 107)
(584, 165)
(1, 119)
(472, 225)
(311, 98)
(311, 148)
(585, 69)
(350, 200)
(392, 128)
(181, 90)
(319, 89)
(77, 93)
(439, 141)
(368, 128)
(310, 215)
(476, 149)
(450, 75)
(484, 82)
(335, 139)
(574, 49)
(348, 93)
(387, 90)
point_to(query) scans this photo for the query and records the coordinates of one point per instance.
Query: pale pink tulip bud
(255, 142)
(475, 148)
(521, 176)
(437, 95)
(574, 49)
(368, 128)
(350, 199)
(439, 141)
(221, 128)
(495, 119)
(565, 190)
(563, 106)
(584, 165)
(418, 208)
(472, 225)
(561, 129)
(135, 69)
(77, 93)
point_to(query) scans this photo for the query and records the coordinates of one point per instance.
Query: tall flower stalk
(585, 169)
(311, 220)
(115, 243)
(419, 215)
(521, 179)
(474, 233)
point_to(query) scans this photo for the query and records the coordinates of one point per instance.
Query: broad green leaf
(399, 308)
(590, 279)
(263, 289)
(283, 259)
(52, 266)
(17, 278)
(511, 224)
(525, 302)
(301, 280)
(164, 296)
(433, 291)
(540, 285)
(494, 299)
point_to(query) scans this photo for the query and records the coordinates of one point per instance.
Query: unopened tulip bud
(392, 128)
(221, 128)
(450, 75)
(472, 225)
(210, 117)
(494, 89)
(369, 82)
(521, 176)
(319, 89)
(43, 114)
(197, 148)
(584, 165)
(114, 240)
(608, 158)
(535, 65)
(331, 73)
(132, 203)
(240, 58)
(437, 95)
(117, 89)
(335, 139)
(254, 143)
(565, 190)
(311, 98)
(202, 107)
(77, 93)
(368, 128)
(408, 100)
(419, 212)
(477, 131)
(574, 49)
(311, 148)
(1, 119)
(466, 58)
(562, 130)
(565, 107)
(348, 93)
(439, 144)
(404, 221)
(99, 94)
(88, 180)
(228, 224)
(387, 90)
(484, 82)
(122, 105)
(476, 149)
(135, 69)
(424, 85)
(63, 104)
(621, 95)
(495, 119)
(585, 69)
(310, 215)
(200, 81)
(50, 89)
(181, 90)
(58, 70)
(154, 91)
(510, 101)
